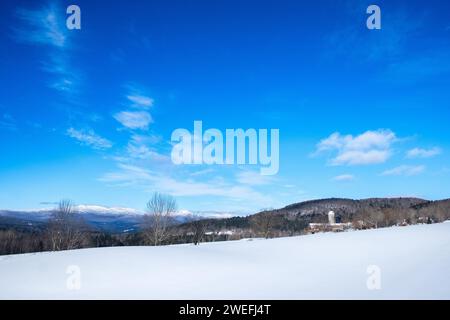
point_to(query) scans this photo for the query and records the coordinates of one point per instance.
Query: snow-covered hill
(414, 263)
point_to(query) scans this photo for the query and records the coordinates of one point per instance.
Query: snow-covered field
(414, 263)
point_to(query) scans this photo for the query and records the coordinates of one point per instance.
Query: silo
(331, 217)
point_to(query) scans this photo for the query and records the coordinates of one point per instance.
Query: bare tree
(157, 221)
(371, 217)
(66, 228)
(262, 223)
(9, 242)
(442, 211)
(391, 216)
(199, 230)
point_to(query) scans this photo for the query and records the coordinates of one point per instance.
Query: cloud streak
(89, 138)
(134, 119)
(143, 148)
(344, 177)
(404, 170)
(42, 26)
(138, 98)
(7, 122)
(46, 27)
(140, 101)
(128, 175)
(253, 178)
(423, 153)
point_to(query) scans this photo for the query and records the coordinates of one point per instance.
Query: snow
(414, 262)
(206, 214)
(106, 210)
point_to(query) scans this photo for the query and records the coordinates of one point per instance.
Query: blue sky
(88, 114)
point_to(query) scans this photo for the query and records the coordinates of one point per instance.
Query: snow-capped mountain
(111, 219)
(83, 208)
(206, 214)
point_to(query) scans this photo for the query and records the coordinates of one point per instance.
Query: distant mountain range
(109, 219)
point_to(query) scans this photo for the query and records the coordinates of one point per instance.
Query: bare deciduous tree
(262, 223)
(199, 230)
(66, 228)
(372, 217)
(391, 217)
(156, 222)
(8, 242)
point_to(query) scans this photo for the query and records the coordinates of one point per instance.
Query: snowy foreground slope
(414, 263)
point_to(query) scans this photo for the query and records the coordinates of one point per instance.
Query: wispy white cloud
(134, 119)
(150, 139)
(344, 177)
(253, 178)
(404, 170)
(42, 26)
(136, 116)
(370, 147)
(138, 97)
(66, 80)
(143, 152)
(45, 26)
(141, 101)
(7, 122)
(134, 175)
(202, 172)
(89, 138)
(423, 153)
